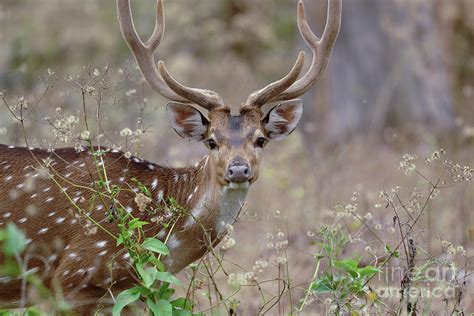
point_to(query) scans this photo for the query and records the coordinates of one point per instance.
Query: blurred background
(400, 81)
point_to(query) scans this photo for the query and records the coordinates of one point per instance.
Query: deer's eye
(261, 142)
(211, 143)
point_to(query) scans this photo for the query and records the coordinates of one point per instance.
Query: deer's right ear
(188, 122)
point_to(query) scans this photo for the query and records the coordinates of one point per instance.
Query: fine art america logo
(413, 293)
(437, 283)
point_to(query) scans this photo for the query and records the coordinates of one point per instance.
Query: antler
(321, 49)
(165, 85)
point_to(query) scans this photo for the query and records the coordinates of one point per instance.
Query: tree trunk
(387, 69)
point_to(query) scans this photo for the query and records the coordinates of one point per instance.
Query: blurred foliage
(234, 47)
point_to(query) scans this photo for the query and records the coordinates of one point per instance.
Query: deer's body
(61, 214)
(37, 205)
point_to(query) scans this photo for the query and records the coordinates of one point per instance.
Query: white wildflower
(126, 132)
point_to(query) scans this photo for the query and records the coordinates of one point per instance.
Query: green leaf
(160, 307)
(182, 312)
(368, 271)
(157, 263)
(148, 275)
(125, 298)
(389, 250)
(168, 293)
(14, 240)
(119, 240)
(136, 223)
(32, 311)
(167, 277)
(183, 303)
(156, 245)
(321, 286)
(348, 265)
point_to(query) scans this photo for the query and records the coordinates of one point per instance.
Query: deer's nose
(238, 171)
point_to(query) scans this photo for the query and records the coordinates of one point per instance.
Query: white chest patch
(230, 204)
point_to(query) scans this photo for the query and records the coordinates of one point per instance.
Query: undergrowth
(360, 264)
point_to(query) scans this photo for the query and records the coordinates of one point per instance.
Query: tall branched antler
(161, 81)
(289, 88)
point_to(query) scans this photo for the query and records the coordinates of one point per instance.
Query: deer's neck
(210, 208)
(209, 204)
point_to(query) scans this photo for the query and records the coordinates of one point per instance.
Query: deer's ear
(188, 122)
(283, 119)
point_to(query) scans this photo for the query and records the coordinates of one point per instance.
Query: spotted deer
(65, 251)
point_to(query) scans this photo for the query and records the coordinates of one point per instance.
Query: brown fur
(75, 261)
(64, 246)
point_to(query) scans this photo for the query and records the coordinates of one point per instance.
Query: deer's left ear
(188, 122)
(283, 119)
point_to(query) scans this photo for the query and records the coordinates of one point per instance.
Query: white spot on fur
(154, 184)
(101, 244)
(59, 220)
(173, 242)
(161, 234)
(43, 230)
(159, 196)
(197, 211)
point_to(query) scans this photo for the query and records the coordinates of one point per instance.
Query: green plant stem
(315, 274)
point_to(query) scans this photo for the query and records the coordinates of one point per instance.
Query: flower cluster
(407, 165)
(63, 126)
(279, 243)
(142, 201)
(240, 279)
(453, 250)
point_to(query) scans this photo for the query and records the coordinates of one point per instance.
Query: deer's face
(235, 142)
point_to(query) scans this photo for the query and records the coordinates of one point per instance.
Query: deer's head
(235, 142)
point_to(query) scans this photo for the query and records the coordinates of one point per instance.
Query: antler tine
(143, 53)
(260, 97)
(159, 31)
(321, 48)
(205, 98)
